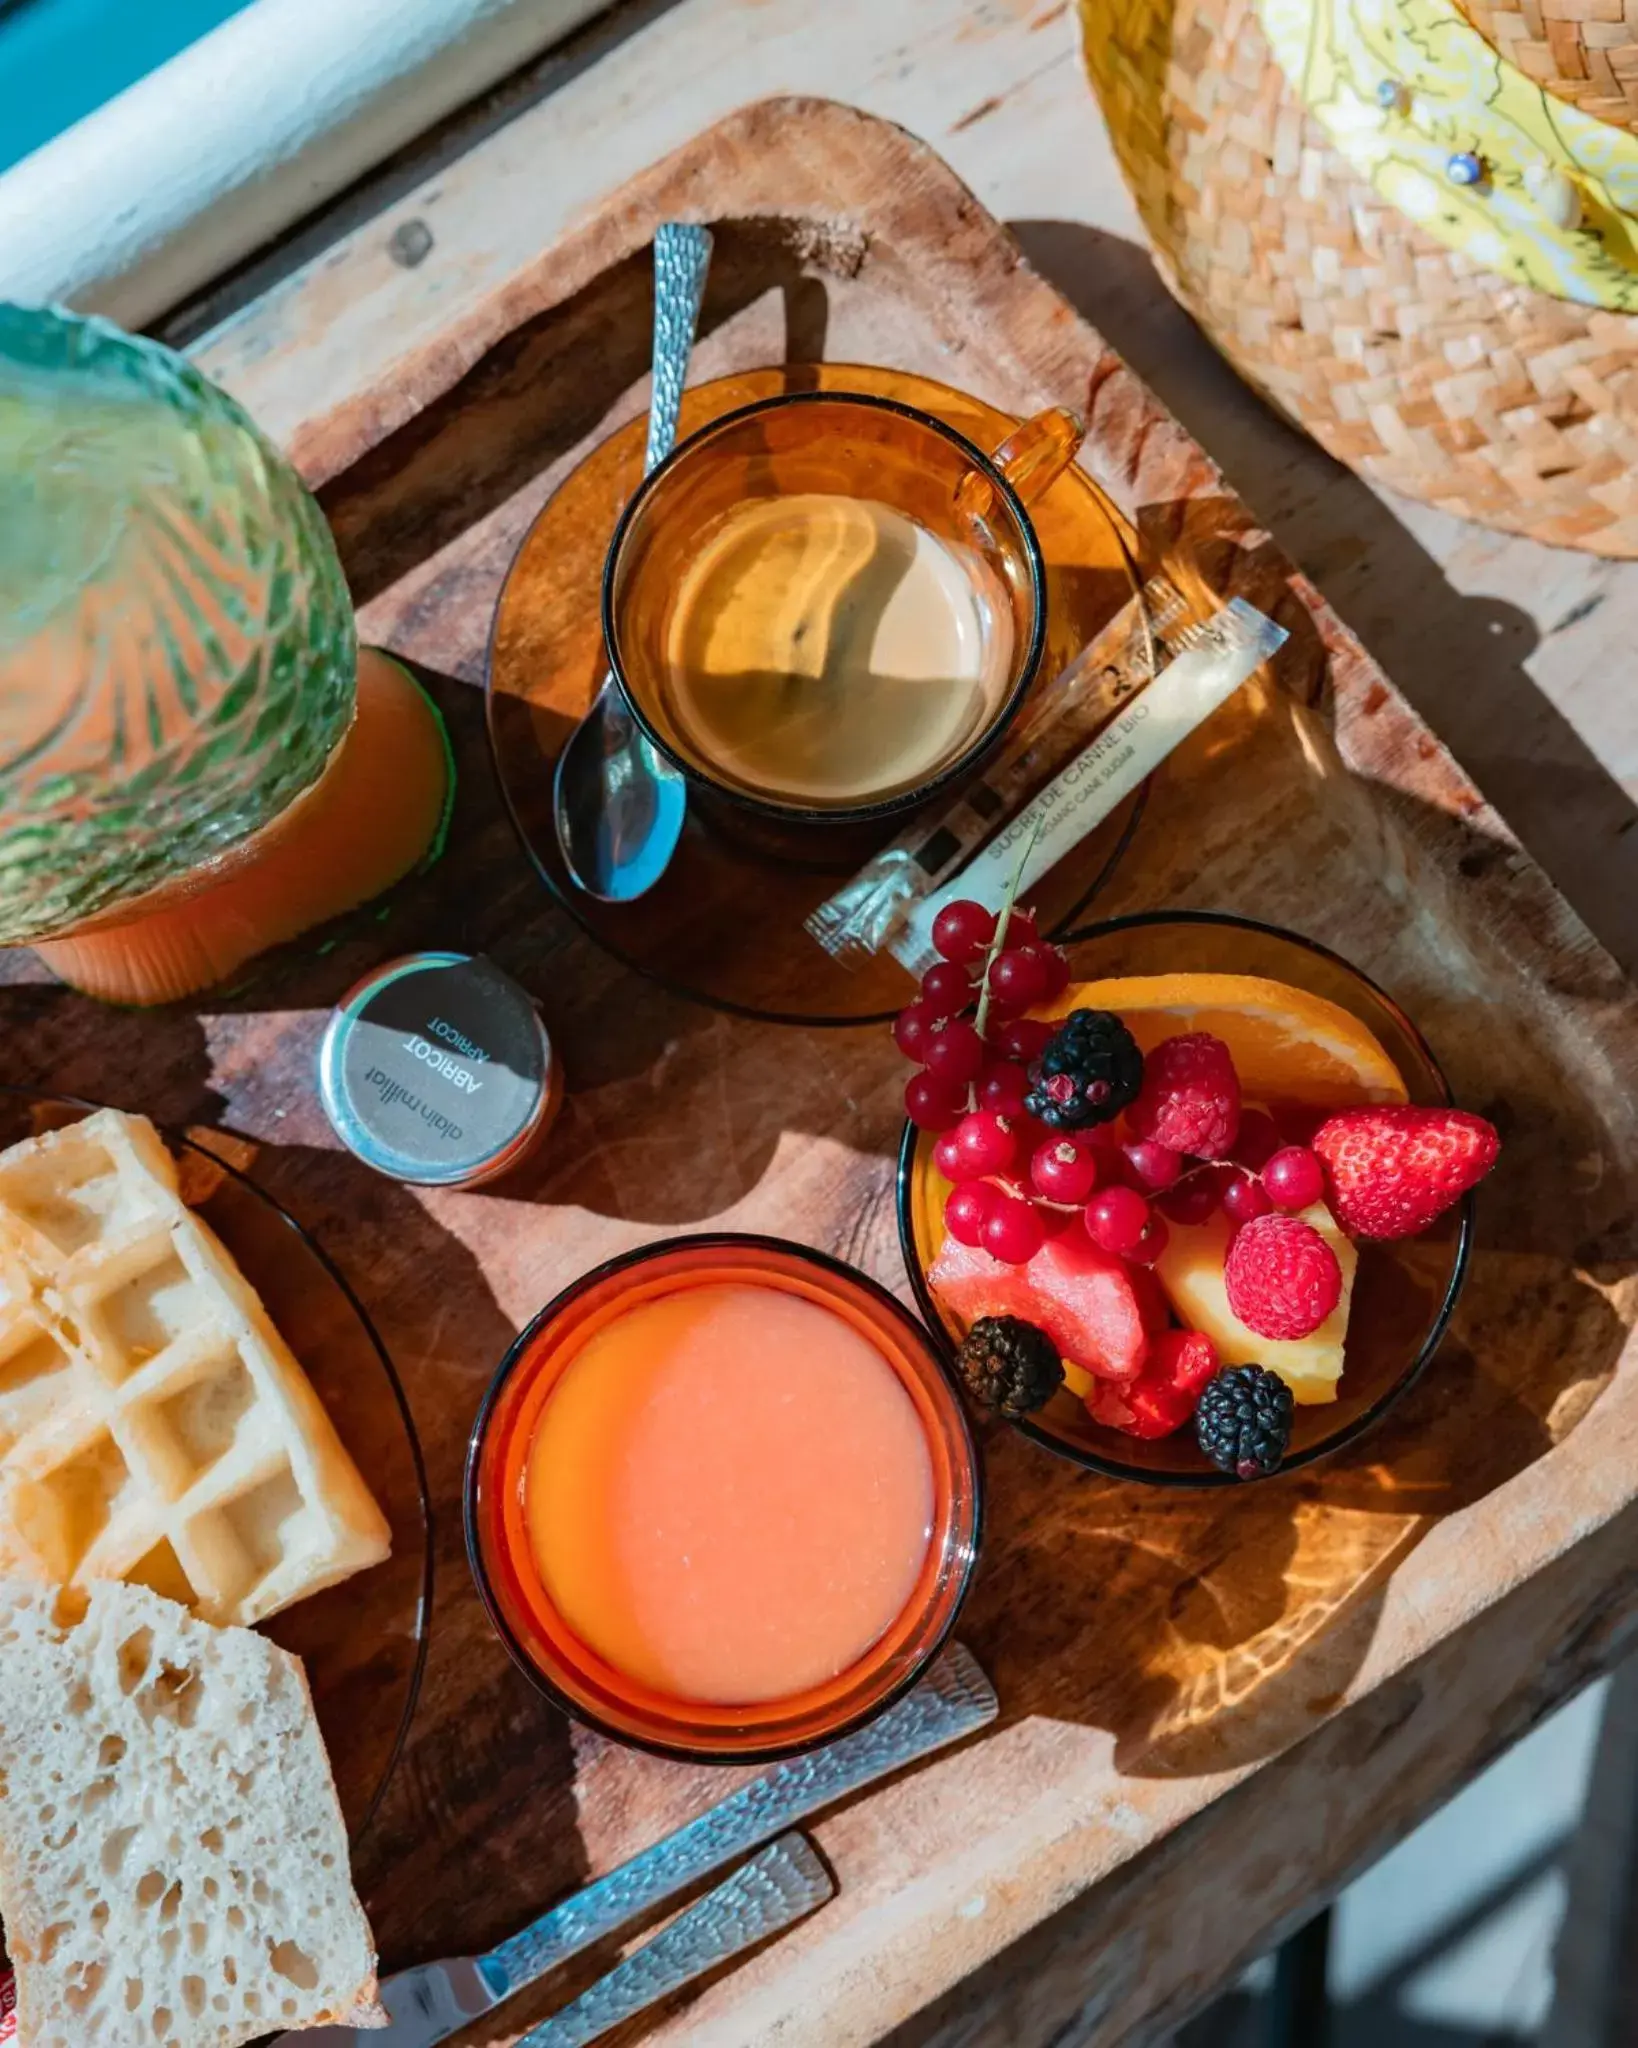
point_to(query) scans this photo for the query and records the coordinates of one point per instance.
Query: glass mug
(535, 1624)
(826, 607)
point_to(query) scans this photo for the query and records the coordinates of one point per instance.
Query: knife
(428, 2003)
(773, 1891)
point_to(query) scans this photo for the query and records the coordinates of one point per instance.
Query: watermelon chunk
(1101, 1312)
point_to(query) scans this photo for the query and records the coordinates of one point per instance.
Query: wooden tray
(1402, 1608)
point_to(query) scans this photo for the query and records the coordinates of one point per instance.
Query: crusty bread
(173, 1865)
(153, 1423)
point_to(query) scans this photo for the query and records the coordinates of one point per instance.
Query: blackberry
(1009, 1365)
(1243, 1422)
(1088, 1071)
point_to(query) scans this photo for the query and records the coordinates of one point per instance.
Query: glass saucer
(1404, 1292)
(363, 1642)
(724, 925)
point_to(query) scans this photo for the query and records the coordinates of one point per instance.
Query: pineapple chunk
(1190, 1269)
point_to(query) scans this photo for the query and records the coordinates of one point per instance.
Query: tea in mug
(826, 649)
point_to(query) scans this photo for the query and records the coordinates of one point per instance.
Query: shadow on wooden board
(1462, 661)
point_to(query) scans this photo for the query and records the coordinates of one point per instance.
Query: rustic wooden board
(1156, 1657)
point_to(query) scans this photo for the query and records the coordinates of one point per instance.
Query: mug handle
(1035, 454)
(1032, 458)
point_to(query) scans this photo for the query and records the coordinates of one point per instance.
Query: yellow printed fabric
(1448, 93)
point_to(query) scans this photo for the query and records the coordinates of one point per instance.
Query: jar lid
(436, 1069)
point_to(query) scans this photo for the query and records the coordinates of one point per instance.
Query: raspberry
(1190, 1098)
(1185, 1359)
(1391, 1170)
(1282, 1278)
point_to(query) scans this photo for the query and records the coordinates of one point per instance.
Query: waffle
(154, 1426)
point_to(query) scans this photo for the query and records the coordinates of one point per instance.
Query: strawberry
(1107, 1404)
(1184, 1359)
(1146, 1407)
(1282, 1278)
(1157, 1409)
(1162, 1398)
(1391, 1170)
(1190, 1098)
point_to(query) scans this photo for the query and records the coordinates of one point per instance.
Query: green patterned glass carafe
(177, 652)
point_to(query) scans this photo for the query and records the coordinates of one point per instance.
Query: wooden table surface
(1512, 652)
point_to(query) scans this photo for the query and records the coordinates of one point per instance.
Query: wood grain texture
(1395, 1613)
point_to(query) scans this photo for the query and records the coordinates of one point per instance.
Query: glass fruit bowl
(582, 1425)
(1404, 1291)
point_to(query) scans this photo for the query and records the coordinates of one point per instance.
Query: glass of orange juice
(721, 1499)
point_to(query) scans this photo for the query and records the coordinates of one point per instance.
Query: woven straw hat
(1402, 357)
(1583, 51)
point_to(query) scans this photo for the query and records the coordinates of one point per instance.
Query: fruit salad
(1154, 1186)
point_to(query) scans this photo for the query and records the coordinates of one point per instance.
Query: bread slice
(173, 1865)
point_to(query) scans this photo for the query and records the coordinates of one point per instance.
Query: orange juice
(729, 1493)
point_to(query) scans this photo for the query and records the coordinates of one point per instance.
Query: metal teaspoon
(618, 807)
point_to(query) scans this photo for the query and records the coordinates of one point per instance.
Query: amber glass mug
(826, 606)
(536, 1629)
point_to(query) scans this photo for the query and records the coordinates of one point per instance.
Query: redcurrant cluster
(965, 1063)
(1014, 1181)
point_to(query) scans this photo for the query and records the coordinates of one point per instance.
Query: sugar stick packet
(1218, 658)
(855, 923)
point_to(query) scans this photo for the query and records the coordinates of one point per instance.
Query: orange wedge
(1287, 1045)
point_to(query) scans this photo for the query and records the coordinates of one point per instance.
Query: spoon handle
(762, 1898)
(682, 256)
